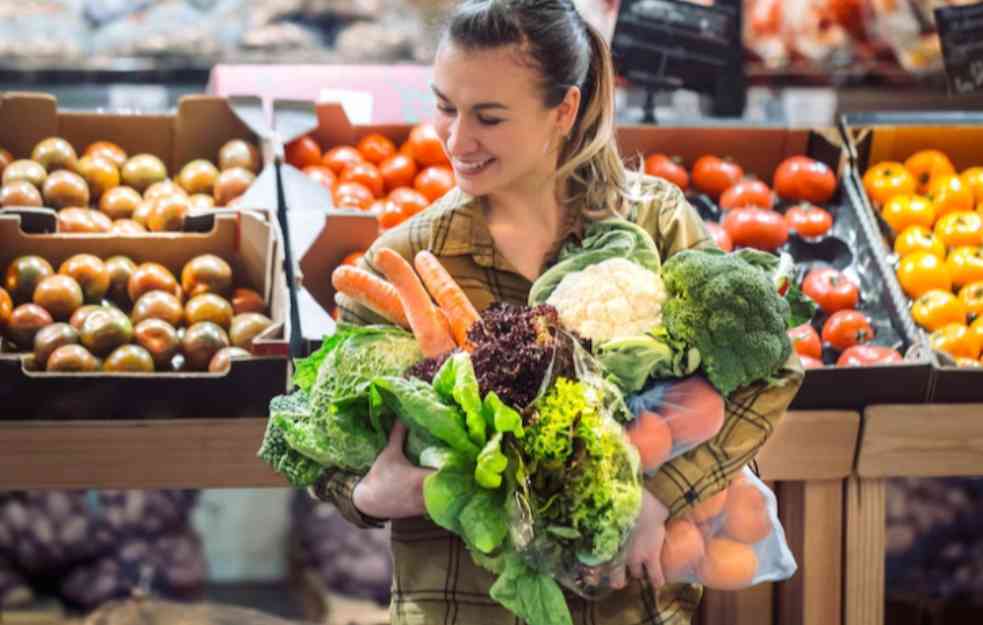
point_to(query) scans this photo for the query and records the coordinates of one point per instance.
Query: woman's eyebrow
(479, 106)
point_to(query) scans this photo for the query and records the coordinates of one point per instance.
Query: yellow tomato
(973, 178)
(887, 179)
(972, 296)
(976, 329)
(918, 239)
(949, 195)
(962, 228)
(957, 340)
(925, 165)
(922, 272)
(902, 211)
(965, 265)
(938, 308)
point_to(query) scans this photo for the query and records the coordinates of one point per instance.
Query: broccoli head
(730, 311)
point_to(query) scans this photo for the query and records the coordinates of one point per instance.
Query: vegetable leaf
(420, 407)
(534, 597)
(501, 417)
(446, 493)
(483, 520)
(456, 381)
(491, 464)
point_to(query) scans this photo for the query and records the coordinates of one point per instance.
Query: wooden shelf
(221, 453)
(922, 440)
(212, 453)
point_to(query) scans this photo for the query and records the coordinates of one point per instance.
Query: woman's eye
(446, 110)
(489, 121)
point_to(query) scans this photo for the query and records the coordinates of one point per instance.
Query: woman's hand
(393, 487)
(645, 549)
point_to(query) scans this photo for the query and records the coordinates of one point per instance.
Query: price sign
(667, 44)
(961, 35)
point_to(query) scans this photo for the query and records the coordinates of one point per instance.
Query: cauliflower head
(611, 299)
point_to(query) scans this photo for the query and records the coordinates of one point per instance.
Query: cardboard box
(960, 139)
(759, 151)
(247, 240)
(198, 129)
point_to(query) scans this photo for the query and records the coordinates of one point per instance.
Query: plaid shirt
(435, 579)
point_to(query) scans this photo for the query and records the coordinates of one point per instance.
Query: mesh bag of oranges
(731, 540)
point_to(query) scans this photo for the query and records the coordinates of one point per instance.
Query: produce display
(117, 316)
(932, 216)
(539, 432)
(800, 214)
(393, 183)
(107, 190)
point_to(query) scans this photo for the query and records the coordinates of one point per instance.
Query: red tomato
(805, 341)
(801, 178)
(322, 175)
(747, 193)
(714, 175)
(808, 220)
(868, 356)
(303, 152)
(720, 236)
(808, 362)
(846, 328)
(756, 227)
(831, 290)
(390, 216)
(667, 168)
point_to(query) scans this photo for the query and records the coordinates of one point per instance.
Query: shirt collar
(462, 229)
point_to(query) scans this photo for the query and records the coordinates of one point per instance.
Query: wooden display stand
(806, 461)
(929, 440)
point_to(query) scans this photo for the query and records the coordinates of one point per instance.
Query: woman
(525, 108)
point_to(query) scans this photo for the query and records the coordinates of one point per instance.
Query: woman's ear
(567, 111)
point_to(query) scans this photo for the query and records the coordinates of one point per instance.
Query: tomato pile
(743, 211)
(935, 217)
(393, 183)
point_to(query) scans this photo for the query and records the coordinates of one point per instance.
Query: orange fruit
(682, 550)
(398, 171)
(973, 179)
(426, 146)
(341, 158)
(366, 174)
(746, 514)
(694, 410)
(352, 259)
(949, 194)
(434, 182)
(322, 175)
(303, 152)
(6, 307)
(709, 508)
(728, 565)
(976, 329)
(957, 340)
(376, 148)
(921, 272)
(409, 201)
(652, 437)
(902, 211)
(352, 195)
(390, 216)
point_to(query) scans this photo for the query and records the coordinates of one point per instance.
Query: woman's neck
(536, 211)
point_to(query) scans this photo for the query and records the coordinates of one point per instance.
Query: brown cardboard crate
(960, 141)
(248, 240)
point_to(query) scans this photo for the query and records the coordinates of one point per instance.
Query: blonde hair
(590, 167)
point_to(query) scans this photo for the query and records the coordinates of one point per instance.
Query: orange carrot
(370, 291)
(461, 314)
(442, 317)
(420, 311)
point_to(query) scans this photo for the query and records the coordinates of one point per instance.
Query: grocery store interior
(137, 493)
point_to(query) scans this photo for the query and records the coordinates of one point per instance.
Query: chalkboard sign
(671, 44)
(961, 34)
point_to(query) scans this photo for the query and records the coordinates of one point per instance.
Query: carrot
(370, 291)
(461, 314)
(420, 311)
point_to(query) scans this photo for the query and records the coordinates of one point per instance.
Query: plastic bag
(732, 540)
(672, 417)
(576, 503)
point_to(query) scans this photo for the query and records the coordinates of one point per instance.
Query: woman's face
(491, 118)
